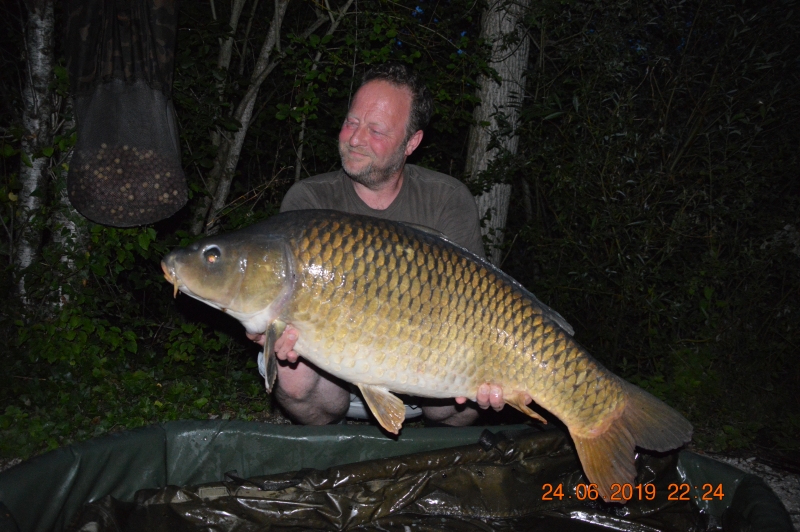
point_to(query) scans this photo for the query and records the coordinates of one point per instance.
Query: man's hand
(284, 346)
(490, 395)
(260, 339)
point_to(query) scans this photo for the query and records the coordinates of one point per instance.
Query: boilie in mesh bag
(126, 168)
(126, 171)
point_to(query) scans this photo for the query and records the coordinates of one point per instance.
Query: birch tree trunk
(36, 118)
(502, 26)
(68, 227)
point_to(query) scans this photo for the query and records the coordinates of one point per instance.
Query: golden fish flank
(391, 307)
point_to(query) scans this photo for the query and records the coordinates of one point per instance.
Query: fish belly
(388, 364)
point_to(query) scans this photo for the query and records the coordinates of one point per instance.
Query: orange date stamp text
(639, 492)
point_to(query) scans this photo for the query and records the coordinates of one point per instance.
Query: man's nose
(358, 136)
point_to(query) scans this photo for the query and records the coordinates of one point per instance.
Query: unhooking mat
(520, 479)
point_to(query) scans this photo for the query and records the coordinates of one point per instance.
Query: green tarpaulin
(279, 477)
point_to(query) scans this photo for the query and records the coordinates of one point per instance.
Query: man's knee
(452, 415)
(309, 397)
(290, 389)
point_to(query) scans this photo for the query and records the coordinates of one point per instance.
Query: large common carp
(395, 308)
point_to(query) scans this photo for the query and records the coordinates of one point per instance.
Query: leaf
(553, 115)
(48, 151)
(283, 112)
(229, 123)
(8, 151)
(144, 240)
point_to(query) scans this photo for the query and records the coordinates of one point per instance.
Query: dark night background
(655, 205)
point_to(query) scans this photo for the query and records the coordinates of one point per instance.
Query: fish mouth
(172, 277)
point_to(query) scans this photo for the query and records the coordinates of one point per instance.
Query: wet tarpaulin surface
(529, 480)
(517, 480)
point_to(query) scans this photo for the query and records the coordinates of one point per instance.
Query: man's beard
(374, 177)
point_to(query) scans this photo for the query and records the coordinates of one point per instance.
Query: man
(382, 128)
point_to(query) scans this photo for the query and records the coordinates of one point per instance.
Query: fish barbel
(391, 307)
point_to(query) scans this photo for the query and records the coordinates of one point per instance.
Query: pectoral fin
(387, 408)
(273, 333)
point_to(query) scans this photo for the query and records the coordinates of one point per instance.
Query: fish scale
(384, 253)
(395, 308)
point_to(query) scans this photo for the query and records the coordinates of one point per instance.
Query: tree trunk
(501, 25)
(226, 50)
(219, 179)
(221, 174)
(36, 117)
(67, 225)
(225, 54)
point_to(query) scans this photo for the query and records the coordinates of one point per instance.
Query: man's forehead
(382, 94)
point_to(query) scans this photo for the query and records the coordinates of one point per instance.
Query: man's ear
(413, 142)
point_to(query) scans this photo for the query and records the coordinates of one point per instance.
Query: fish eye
(211, 254)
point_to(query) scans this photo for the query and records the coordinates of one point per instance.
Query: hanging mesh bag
(126, 168)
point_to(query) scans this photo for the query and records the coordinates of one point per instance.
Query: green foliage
(658, 200)
(106, 350)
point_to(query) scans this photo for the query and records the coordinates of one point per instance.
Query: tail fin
(608, 457)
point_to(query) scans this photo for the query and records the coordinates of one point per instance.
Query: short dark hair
(402, 76)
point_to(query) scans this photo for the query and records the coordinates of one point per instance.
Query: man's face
(372, 142)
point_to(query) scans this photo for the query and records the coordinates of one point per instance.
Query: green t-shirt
(426, 198)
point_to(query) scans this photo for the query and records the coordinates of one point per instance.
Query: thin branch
(334, 24)
(242, 56)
